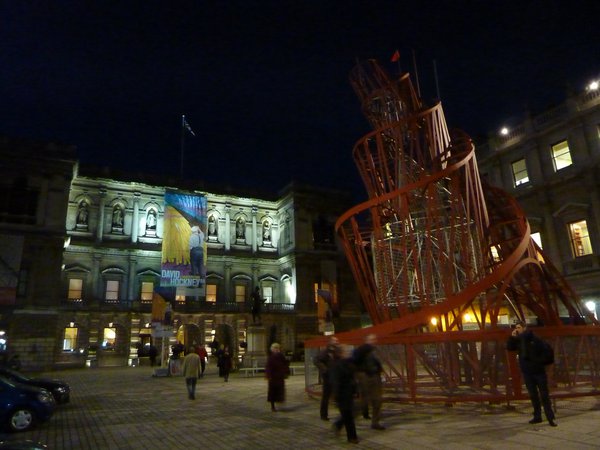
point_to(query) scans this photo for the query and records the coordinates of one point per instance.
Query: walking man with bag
(191, 371)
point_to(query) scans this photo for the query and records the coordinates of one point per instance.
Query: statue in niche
(212, 227)
(82, 214)
(240, 228)
(266, 231)
(151, 220)
(117, 217)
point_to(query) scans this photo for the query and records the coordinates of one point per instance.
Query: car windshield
(7, 373)
(6, 382)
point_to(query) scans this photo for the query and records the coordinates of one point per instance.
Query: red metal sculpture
(444, 263)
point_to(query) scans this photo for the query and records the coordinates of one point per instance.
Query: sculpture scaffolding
(444, 263)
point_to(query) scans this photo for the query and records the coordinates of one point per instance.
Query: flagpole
(182, 146)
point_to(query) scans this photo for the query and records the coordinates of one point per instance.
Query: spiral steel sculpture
(443, 262)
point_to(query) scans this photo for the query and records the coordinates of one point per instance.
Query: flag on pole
(395, 56)
(186, 125)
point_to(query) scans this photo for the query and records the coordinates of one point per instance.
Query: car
(59, 389)
(22, 406)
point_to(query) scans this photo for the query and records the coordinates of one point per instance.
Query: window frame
(584, 244)
(519, 180)
(71, 289)
(210, 296)
(73, 339)
(558, 157)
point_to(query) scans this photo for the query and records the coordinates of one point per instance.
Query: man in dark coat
(324, 362)
(344, 388)
(530, 349)
(369, 380)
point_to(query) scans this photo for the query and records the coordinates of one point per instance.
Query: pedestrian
(257, 302)
(369, 370)
(531, 352)
(324, 362)
(344, 388)
(152, 353)
(191, 371)
(276, 371)
(203, 354)
(224, 362)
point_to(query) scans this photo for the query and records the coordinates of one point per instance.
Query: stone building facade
(102, 271)
(551, 164)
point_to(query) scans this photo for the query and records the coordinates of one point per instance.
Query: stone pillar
(227, 226)
(135, 224)
(256, 353)
(254, 275)
(131, 285)
(100, 225)
(96, 277)
(228, 266)
(254, 236)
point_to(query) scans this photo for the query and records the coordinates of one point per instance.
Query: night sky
(264, 84)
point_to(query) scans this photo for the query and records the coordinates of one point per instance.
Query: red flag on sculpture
(396, 56)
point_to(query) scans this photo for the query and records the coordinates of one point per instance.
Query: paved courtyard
(128, 409)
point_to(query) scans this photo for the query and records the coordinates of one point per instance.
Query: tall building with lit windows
(82, 252)
(551, 164)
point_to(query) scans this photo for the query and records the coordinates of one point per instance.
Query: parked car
(59, 389)
(22, 406)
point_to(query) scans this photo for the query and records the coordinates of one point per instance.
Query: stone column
(227, 226)
(135, 224)
(100, 224)
(131, 285)
(96, 277)
(254, 236)
(228, 266)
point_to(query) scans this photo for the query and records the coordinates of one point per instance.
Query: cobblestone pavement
(128, 409)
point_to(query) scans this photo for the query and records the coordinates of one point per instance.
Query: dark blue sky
(264, 84)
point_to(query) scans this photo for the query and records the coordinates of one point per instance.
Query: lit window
(268, 294)
(561, 155)
(147, 291)
(537, 237)
(70, 339)
(211, 293)
(495, 254)
(109, 338)
(112, 290)
(75, 289)
(580, 239)
(240, 293)
(316, 289)
(519, 169)
(180, 294)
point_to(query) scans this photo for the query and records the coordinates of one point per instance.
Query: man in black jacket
(368, 374)
(324, 362)
(530, 349)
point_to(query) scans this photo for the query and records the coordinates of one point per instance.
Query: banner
(184, 244)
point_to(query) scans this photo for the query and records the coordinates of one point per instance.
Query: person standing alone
(532, 362)
(191, 371)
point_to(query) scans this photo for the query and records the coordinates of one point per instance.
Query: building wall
(97, 227)
(551, 198)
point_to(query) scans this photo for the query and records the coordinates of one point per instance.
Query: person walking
(324, 362)
(531, 353)
(344, 387)
(224, 362)
(276, 371)
(369, 371)
(191, 370)
(203, 354)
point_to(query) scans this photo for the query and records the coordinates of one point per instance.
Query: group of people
(343, 374)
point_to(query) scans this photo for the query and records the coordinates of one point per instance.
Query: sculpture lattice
(443, 261)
